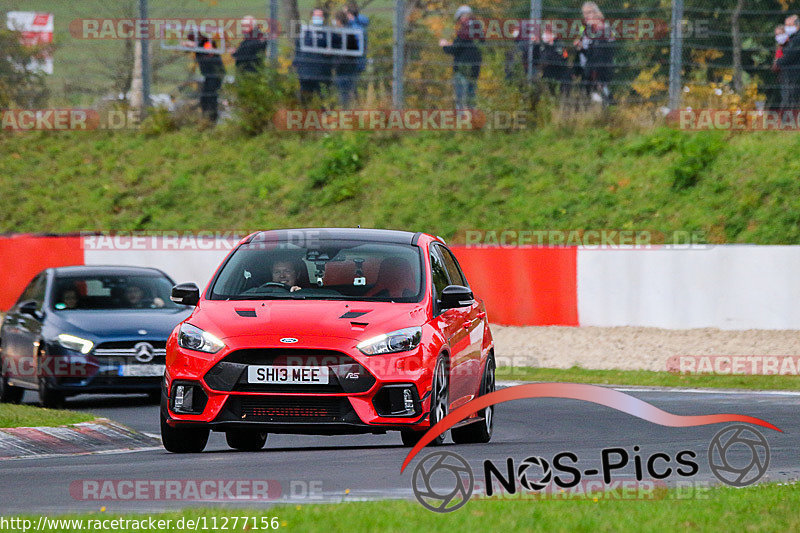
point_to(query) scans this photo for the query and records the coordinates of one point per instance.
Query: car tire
(8, 393)
(48, 397)
(182, 439)
(440, 406)
(246, 440)
(480, 432)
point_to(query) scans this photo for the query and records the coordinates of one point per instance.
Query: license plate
(142, 371)
(288, 375)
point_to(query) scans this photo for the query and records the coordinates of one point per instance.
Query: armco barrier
(726, 287)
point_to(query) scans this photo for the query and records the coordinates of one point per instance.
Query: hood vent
(354, 314)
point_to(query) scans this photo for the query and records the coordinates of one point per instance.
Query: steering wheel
(274, 284)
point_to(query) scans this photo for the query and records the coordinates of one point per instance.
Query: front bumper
(355, 400)
(74, 373)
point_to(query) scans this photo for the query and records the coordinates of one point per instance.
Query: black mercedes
(88, 329)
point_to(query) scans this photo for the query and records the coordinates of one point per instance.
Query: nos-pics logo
(443, 481)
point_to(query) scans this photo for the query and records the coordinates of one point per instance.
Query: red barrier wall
(521, 286)
(524, 286)
(22, 257)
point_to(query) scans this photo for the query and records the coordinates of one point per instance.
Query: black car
(88, 329)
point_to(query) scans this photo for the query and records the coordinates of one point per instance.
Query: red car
(327, 331)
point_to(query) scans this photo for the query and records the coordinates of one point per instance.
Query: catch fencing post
(398, 54)
(273, 32)
(145, 42)
(536, 20)
(675, 55)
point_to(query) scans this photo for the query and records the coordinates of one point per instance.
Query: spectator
(357, 20)
(546, 56)
(250, 54)
(467, 59)
(596, 54)
(773, 83)
(314, 70)
(789, 64)
(346, 66)
(213, 72)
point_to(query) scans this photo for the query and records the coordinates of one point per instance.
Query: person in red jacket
(774, 84)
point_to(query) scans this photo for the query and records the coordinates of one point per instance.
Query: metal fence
(717, 54)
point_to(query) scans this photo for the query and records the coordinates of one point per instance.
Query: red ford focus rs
(327, 331)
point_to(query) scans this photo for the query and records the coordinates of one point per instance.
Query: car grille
(127, 349)
(294, 409)
(346, 376)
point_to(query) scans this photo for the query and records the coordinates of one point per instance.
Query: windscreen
(90, 292)
(326, 270)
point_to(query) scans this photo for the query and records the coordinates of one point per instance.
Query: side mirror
(31, 308)
(185, 294)
(455, 296)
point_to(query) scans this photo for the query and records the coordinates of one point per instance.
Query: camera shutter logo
(443, 482)
(144, 352)
(524, 469)
(746, 442)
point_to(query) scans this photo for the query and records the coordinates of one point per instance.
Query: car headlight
(71, 342)
(194, 338)
(401, 340)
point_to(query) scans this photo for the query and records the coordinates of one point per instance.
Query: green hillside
(741, 188)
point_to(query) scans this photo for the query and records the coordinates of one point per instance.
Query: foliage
(20, 86)
(258, 96)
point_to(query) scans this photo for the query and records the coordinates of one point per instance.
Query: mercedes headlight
(194, 338)
(71, 342)
(401, 340)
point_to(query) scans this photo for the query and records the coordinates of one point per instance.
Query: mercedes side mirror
(185, 294)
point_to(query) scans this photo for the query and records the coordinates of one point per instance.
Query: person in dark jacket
(467, 58)
(545, 56)
(789, 65)
(596, 54)
(358, 20)
(314, 70)
(213, 72)
(250, 54)
(346, 66)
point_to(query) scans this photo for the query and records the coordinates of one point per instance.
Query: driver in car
(286, 272)
(70, 299)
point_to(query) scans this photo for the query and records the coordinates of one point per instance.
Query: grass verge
(15, 416)
(754, 509)
(649, 378)
(549, 178)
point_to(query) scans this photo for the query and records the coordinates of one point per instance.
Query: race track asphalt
(311, 469)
